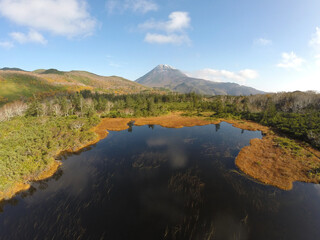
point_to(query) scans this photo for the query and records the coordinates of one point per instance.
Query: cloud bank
(61, 17)
(240, 77)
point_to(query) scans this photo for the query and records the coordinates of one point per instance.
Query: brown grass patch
(111, 124)
(269, 163)
(174, 120)
(23, 186)
(48, 172)
(17, 187)
(247, 125)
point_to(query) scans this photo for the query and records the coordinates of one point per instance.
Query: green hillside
(15, 85)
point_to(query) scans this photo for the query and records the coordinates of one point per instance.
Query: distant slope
(15, 85)
(11, 69)
(92, 81)
(164, 76)
(52, 71)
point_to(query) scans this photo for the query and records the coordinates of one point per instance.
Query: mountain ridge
(165, 76)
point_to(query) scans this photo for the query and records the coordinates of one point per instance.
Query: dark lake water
(157, 183)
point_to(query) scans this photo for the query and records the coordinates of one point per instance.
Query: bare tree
(14, 109)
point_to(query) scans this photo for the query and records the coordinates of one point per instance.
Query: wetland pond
(151, 182)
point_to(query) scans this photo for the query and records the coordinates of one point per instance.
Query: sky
(271, 45)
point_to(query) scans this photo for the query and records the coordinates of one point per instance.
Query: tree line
(296, 114)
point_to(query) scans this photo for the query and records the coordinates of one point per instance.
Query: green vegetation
(289, 144)
(29, 144)
(314, 172)
(302, 126)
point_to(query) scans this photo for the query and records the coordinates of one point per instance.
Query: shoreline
(262, 159)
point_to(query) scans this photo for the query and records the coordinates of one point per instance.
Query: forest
(32, 132)
(295, 114)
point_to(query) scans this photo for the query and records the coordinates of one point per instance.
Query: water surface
(156, 183)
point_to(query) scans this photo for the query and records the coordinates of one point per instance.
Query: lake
(152, 182)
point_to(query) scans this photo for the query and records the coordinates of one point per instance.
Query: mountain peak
(161, 75)
(165, 76)
(164, 67)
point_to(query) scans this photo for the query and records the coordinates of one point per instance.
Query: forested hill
(165, 76)
(16, 84)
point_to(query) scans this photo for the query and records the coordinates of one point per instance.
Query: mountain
(19, 84)
(165, 76)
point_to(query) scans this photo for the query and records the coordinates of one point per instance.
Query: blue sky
(272, 45)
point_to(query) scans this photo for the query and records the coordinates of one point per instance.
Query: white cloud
(32, 36)
(240, 77)
(6, 44)
(142, 6)
(62, 17)
(248, 74)
(262, 42)
(163, 39)
(290, 60)
(173, 30)
(178, 21)
(317, 60)
(315, 41)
